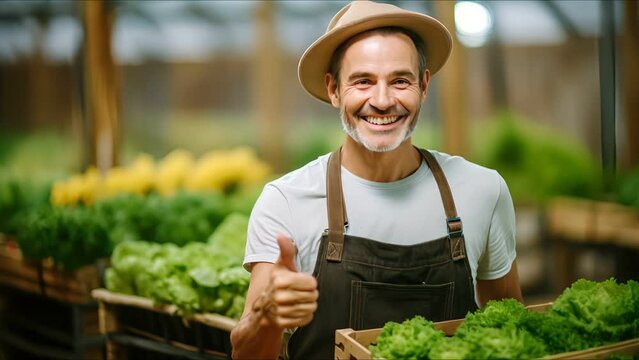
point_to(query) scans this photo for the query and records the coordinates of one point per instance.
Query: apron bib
(364, 283)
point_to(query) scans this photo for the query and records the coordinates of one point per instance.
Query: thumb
(287, 252)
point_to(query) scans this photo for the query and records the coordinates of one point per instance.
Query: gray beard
(354, 134)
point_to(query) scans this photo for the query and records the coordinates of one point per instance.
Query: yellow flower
(226, 170)
(172, 170)
(59, 194)
(141, 175)
(137, 178)
(92, 180)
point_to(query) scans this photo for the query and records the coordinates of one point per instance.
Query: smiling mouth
(381, 120)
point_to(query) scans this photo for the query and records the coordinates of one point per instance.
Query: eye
(401, 83)
(362, 83)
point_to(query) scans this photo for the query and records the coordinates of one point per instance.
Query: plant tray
(43, 278)
(135, 326)
(40, 326)
(353, 345)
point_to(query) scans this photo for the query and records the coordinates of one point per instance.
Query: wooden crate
(589, 221)
(579, 227)
(137, 328)
(43, 278)
(32, 325)
(572, 219)
(353, 345)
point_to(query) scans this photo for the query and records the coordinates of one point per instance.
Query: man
(373, 232)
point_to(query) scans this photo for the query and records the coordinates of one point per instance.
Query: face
(379, 94)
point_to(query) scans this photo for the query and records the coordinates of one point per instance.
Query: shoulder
(457, 165)
(462, 173)
(309, 178)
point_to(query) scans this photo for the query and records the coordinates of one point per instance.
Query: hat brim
(314, 63)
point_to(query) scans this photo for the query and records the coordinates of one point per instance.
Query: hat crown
(359, 10)
(360, 16)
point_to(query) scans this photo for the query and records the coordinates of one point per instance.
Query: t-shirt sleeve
(500, 252)
(270, 216)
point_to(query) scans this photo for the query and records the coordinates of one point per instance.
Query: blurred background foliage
(537, 163)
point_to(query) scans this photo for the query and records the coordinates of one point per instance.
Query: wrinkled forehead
(379, 47)
(338, 55)
(384, 32)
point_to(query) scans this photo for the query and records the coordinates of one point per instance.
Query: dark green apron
(364, 283)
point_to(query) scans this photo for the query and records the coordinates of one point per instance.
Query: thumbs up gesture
(290, 299)
(288, 250)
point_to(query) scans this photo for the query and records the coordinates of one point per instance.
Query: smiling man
(378, 230)
(380, 96)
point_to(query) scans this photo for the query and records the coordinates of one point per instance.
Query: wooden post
(109, 324)
(41, 85)
(267, 86)
(100, 85)
(630, 79)
(452, 83)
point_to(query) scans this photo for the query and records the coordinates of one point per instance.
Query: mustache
(368, 110)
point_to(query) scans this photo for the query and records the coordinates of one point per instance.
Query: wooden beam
(452, 84)
(630, 80)
(607, 88)
(100, 85)
(267, 90)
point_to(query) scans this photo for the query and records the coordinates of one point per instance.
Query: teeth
(381, 120)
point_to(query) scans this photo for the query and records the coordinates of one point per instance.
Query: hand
(290, 299)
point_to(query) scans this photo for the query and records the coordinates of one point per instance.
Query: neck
(380, 166)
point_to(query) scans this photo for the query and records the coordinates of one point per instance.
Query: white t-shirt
(405, 212)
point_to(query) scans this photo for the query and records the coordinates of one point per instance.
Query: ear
(331, 89)
(425, 82)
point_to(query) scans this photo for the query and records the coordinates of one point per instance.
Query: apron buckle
(334, 252)
(457, 248)
(456, 238)
(335, 247)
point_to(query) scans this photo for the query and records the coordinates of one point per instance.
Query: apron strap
(336, 211)
(453, 222)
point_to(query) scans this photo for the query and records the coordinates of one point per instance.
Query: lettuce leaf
(603, 311)
(412, 339)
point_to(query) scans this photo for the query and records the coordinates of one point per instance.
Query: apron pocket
(374, 303)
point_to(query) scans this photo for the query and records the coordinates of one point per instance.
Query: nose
(381, 98)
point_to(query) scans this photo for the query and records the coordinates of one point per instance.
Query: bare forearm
(253, 339)
(278, 298)
(502, 288)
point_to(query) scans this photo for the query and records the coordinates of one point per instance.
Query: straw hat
(360, 16)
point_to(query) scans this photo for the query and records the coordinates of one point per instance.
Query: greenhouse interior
(154, 154)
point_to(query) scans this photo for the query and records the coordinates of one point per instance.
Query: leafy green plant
(412, 339)
(19, 194)
(587, 314)
(72, 237)
(553, 331)
(179, 219)
(627, 189)
(197, 277)
(493, 332)
(603, 311)
(496, 314)
(78, 235)
(536, 163)
(40, 154)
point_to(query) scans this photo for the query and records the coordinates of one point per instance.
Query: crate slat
(132, 317)
(214, 320)
(36, 348)
(36, 324)
(44, 279)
